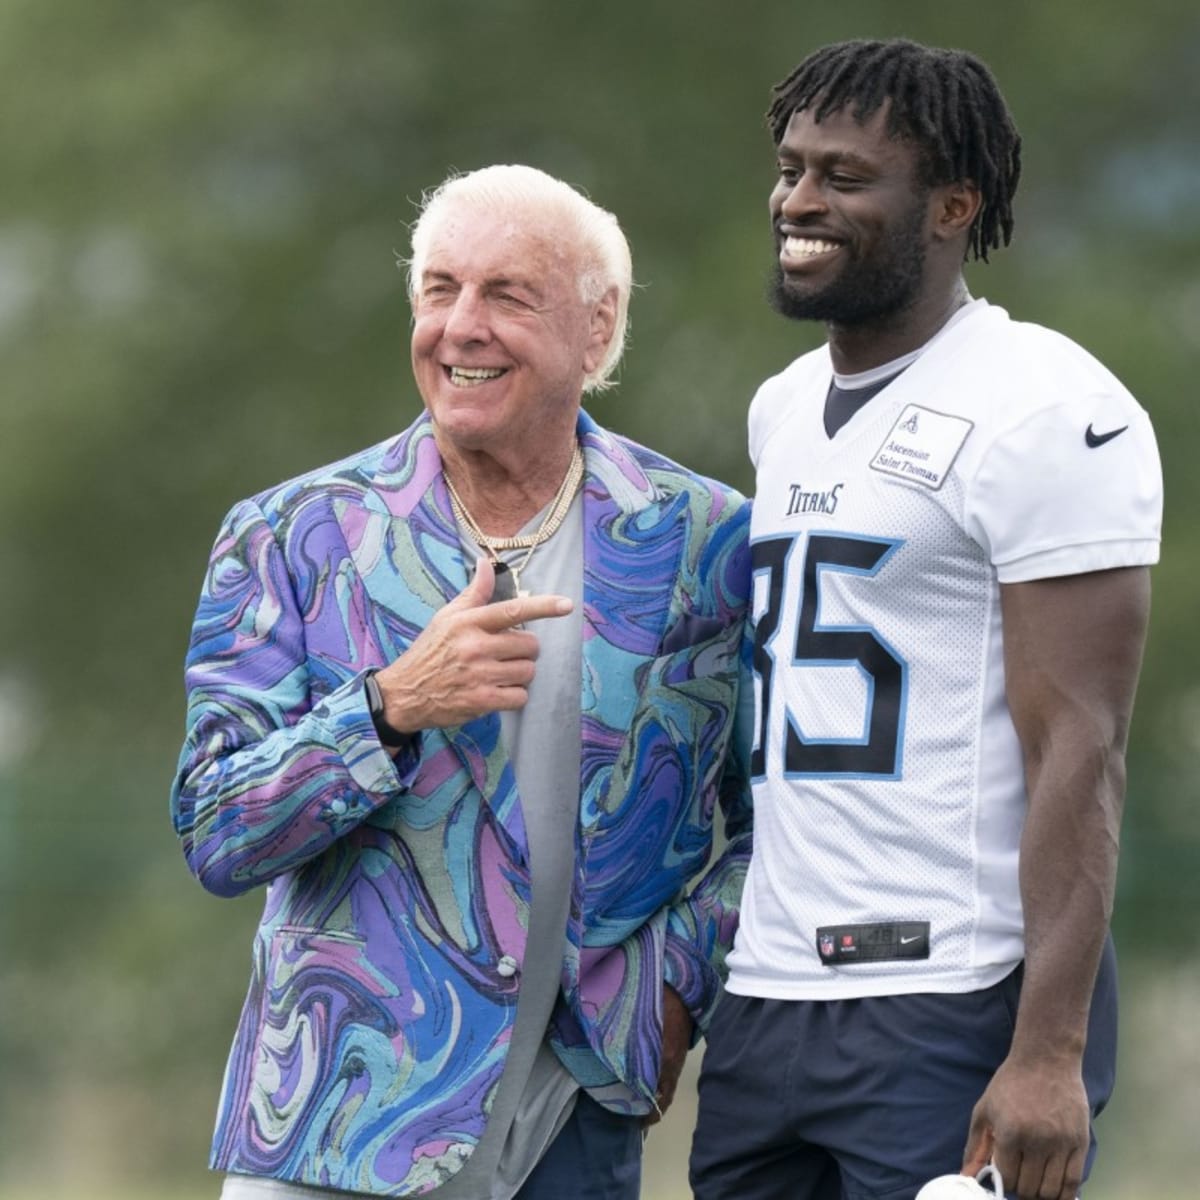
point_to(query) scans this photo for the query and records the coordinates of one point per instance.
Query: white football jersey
(889, 792)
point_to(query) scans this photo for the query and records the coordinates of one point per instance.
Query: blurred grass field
(118, 1104)
(1186, 1192)
(1138, 1133)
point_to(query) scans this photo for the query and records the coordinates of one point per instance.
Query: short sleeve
(1074, 487)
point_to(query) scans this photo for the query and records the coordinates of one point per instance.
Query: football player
(954, 520)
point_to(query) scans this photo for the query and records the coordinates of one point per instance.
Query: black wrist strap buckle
(387, 735)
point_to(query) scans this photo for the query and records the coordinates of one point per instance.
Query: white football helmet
(963, 1187)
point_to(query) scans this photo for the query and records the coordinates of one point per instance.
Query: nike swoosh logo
(916, 937)
(1095, 439)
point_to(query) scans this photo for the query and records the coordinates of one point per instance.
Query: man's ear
(600, 331)
(956, 205)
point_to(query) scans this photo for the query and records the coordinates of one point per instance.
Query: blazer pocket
(316, 987)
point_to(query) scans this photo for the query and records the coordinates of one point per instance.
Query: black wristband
(387, 735)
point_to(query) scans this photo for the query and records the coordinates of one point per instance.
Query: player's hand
(677, 1039)
(472, 658)
(1033, 1123)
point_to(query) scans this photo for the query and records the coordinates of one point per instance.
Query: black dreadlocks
(945, 101)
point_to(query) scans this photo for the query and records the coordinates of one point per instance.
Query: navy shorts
(862, 1099)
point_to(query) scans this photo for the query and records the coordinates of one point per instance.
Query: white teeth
(473, 376)
(799, 247)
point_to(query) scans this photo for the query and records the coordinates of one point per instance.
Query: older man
(465, 703)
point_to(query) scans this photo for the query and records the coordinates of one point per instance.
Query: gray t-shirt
(544, 741)
(536, 1094)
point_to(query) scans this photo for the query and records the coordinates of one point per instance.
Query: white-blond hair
(593, 235)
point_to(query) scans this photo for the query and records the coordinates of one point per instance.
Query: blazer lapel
(405, 547)
(402, 539)
(633, 544)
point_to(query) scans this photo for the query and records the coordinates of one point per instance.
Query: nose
(803, 198)
(466, 321)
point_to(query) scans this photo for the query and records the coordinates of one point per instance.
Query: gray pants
(253, 1187)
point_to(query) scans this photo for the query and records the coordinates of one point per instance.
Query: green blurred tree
(199, 296)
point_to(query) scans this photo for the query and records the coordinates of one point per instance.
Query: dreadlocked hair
(945, 101)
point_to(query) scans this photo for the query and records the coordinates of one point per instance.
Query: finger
(508, 613)
(1073, 1175)
(479, 587)
(511, 644)
(1051, 1185)
(1029, 1177)
(1061, 1177)
(508, 699)
(980, 1144)
(513, 672)
(1009, 1165)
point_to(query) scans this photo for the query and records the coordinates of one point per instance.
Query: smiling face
(501, 338)
(852, 221)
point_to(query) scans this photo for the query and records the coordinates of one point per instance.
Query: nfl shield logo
(825, 945)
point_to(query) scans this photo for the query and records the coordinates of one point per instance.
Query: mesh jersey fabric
(888, 776)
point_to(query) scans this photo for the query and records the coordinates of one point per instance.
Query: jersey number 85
(877, 752)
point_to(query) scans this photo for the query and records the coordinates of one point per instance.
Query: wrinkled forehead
(487, 242)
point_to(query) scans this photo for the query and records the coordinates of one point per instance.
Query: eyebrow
(493, 283)
(831, 157)
(510, 281)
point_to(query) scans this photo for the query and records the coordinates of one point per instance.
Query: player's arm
(1073, 650)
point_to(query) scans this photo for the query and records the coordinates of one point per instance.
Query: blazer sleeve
(267, 778)
(701, 925)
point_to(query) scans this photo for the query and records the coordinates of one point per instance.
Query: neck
(861, 347)
(503, 496)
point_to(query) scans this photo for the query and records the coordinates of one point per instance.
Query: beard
(865, 290)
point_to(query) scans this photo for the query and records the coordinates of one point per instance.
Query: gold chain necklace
(528, 542)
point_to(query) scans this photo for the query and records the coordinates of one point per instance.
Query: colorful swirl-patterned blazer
(375, 1028)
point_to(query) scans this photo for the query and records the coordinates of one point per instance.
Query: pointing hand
(474, 657)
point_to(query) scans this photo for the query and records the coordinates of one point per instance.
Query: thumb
(979, 1145)
(479, 588)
